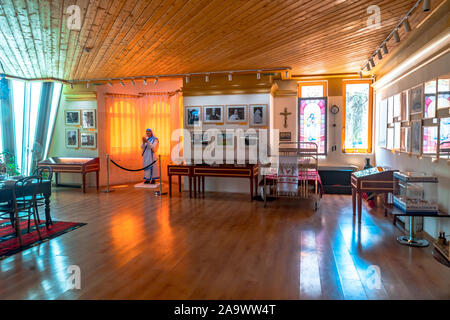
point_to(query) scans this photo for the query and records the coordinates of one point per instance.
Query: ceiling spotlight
(87, 84)
(380, 56)
(145, 81)
(406, 25)
(187, 79)
(121, 82)
(396, 36)
(372, 63)
(360, 74)
(385, 49)
(156, 81)
(426, 5)
(207, 78)
(71, 85)
(258, 76)
(230, 77)
(110, 83)
(368, 66)
(287, 74)
(132, 82)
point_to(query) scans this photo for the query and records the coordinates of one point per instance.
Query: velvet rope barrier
(132, 170)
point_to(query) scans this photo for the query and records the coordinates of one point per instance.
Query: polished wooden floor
(138, 246)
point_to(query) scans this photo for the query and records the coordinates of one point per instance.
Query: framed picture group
(254, 114)
(417, 121)
(84, 119)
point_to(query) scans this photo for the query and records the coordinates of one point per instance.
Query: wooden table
(73, 165)
(197, 173)
(375, 180)
(6, 195)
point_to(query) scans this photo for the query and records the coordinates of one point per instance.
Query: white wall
(403, 161)
(58, 145)
(227, 184)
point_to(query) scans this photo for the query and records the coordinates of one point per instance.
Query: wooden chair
(47, 174)
(23, 201)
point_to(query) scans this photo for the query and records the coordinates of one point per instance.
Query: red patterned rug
(9, 243)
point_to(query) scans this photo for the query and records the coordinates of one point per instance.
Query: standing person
(149, 147)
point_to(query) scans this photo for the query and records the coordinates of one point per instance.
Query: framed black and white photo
(225, 139)
(88, 140)
(213, 114)
(72, 117)
(258, 115)
(71, 138)
(89, 121)
(416, 137)
(193, 116)
(237, 113)
(416, 100)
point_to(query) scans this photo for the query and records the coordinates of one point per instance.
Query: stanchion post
(160, 193)
(107, 176)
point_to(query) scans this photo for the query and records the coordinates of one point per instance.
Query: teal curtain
(7, 119)
(42, 124)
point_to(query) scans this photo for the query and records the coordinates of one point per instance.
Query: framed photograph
(382, 124)
(416, 137)
(258, 115)
(405, 145)
(88, 140)
(213, 114)
(200, 138)
(71, 138)
(250, 138)
(225, 139)
(89, 121)
(285, 136)
(237, 113)
(193, 116)
(397, 135)
(72, 117)
(416, 99)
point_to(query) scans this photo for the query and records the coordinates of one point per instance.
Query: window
(26, 103)
(313, 122)
(313, 114)
(357, 128)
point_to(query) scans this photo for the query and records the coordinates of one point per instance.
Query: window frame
(323, 83)
(369, 150)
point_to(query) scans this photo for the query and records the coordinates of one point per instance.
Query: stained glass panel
(430, 99)
(444, 93)
(313, 122)
(430, 140)
(357, 117)
(445, 138)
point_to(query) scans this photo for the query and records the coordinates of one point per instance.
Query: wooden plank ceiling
(121, 38)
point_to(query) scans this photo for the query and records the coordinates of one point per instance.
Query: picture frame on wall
(405, 142)
(225, 139)
(71, 138)
(258, 115)
(193, 116)
(213, 114)
(237, 113)
(382, 124)
(416, 137)
(88, 140)
(416, 100)
(72, 117)
(89, 119)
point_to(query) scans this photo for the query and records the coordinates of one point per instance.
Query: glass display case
(415, 192)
